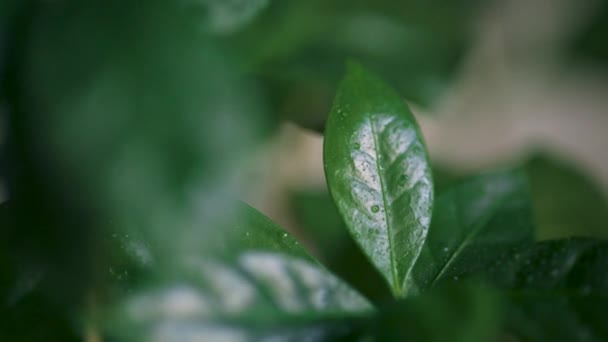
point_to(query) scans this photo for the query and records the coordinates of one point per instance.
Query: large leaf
(474, 223)
(558, 290)
(251, 281)
(378, 173)
(122, 112)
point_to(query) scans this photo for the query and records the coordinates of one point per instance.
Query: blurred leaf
(122, 116)
(250, 281)
(127, 113)
(227, 16)
(322, 226)
(474, 223)
(566, 201)
(299, 47)
(463, 312)
(588, 45)
(575, 265)
(378, 173)
(556, 317)
(558, 290)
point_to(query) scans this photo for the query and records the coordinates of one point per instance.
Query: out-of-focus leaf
(570, 265)
(558, 290)
(589, 43)
(122, 115)
(227, 16)
(251, 281)
(378, 173)
(474, 223)
(323, 228)
(556, 317)
(566, 202)
(299, 48)
(455, 313)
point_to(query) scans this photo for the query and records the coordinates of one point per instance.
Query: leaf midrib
(482, 222)
(397, 289)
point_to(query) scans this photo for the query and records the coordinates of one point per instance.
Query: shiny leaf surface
(378, 173)
(251, 281)
(474, 223)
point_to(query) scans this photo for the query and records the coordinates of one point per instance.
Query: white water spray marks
(234, 291)
(391, 187)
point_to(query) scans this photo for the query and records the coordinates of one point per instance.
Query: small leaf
(251, 281)
(378, 173)
(475, 222)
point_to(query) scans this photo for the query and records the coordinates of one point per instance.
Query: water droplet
(357, 146)
(375, 208)
(402, 180)
(445, 249)
(284, 235)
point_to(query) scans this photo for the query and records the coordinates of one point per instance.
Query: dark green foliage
(125, 126)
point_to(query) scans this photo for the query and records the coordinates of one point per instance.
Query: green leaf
(251, 281)
(128, 113)
(569, 265)
(323, 228)
(474, 223)
(557, 290)
(566, 201)
(556, 317)
(378, 173)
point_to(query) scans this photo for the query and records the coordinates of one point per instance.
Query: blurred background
(150, 115)
(492, 83)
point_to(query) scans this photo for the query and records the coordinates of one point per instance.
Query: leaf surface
(557, 290)
(378, 173)
(251, 281)
(475, 222)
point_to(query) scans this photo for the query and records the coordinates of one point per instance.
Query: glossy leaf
(251, 281)
(323, 228)
(378, 173)
(475, 222)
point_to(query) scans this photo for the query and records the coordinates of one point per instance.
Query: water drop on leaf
(402, 180)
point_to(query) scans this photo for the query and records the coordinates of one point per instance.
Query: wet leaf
(475, 222)
(378, 173)
(323, 228)
(251, 281)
